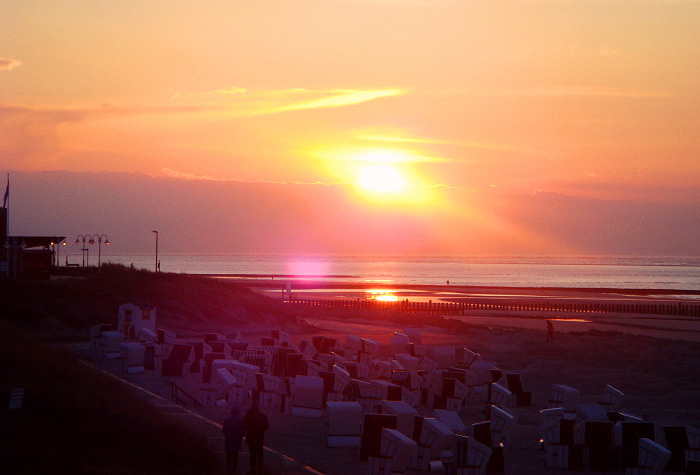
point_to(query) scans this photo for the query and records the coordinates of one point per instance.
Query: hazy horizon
(200, 217)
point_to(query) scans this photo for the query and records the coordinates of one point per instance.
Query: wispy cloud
(338, 98)
(426, 141)
(580, 91)
(7, 64)
(170, 173)
(570, 91)
(395, 139)
(239, 101)
(189, 176)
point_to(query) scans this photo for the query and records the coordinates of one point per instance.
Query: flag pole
(6, 205)
(6, 202)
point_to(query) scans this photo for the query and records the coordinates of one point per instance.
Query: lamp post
(156, 233)
(90, 238)
(99, 248)
(56, 247)
(84, 250)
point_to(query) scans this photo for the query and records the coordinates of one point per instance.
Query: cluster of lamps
(90, 239)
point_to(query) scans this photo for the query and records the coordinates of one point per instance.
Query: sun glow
(381, 178)
(381, 295)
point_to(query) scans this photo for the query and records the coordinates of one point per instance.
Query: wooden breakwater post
(465, 306)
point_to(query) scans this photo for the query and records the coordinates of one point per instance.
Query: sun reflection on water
(381, 294)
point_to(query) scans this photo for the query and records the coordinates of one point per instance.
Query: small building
(133, 317)
(28, 257)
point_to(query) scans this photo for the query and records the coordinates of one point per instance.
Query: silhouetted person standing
(550, 331)
(233, 433)
(255, 424)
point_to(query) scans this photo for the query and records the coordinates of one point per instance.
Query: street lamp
(91, 240)
(56, 247)
(156, 233)
(84, 250)
(99, 247)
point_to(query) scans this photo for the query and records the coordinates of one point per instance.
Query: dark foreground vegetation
(75, 419)
(67, 307)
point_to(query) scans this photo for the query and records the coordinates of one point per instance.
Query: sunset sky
(447, 117)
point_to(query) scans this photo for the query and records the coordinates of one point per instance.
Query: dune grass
(77, 420)
(60, 307)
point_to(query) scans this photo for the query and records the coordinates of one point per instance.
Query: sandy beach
(653, 361)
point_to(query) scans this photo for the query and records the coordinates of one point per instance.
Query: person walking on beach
(255, 424)
(550, 331)
(233, 433)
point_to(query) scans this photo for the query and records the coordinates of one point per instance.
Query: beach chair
(397, 447)
(427, 365)
(515, 385)
(693, 452)
(307, 400)
(596, 436)
(132, 357)
(652, 460)
(178, 361)
(407, 361)
(450, 419)
(611, 398)
(591, 412)
(405, 415)
(630, 433)
(109, 344)
(414, 335)
(430, 433)
(501, 424)
(372, 433)
(444, 356)
(471, 457)
(218, 390)
(384, 369)
(466, 357)
(148, 335)
(343, 424)
(564, 396)
(500, 396)
(96, 335)
(387, 391)
(398, 343)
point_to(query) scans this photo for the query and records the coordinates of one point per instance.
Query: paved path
(275, 462)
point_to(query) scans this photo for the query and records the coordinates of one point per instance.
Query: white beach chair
(343, 424)
(471, 454)
(564, 396)
(399, 448)
(450, 419)
(405, 415)
(444, 356)
(611, 398)
(652, 459)
(307, 399)
(500, 396)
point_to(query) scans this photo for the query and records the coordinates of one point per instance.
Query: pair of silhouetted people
(253, 426)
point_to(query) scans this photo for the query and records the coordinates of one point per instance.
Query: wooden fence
(671, 308)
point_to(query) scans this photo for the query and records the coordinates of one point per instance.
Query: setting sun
(381, 178)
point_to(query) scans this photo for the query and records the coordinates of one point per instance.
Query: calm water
(617, 272)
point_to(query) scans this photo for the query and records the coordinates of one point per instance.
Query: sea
(667, 273)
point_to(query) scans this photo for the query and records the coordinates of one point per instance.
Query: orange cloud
(7, 64)
(238, 101)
